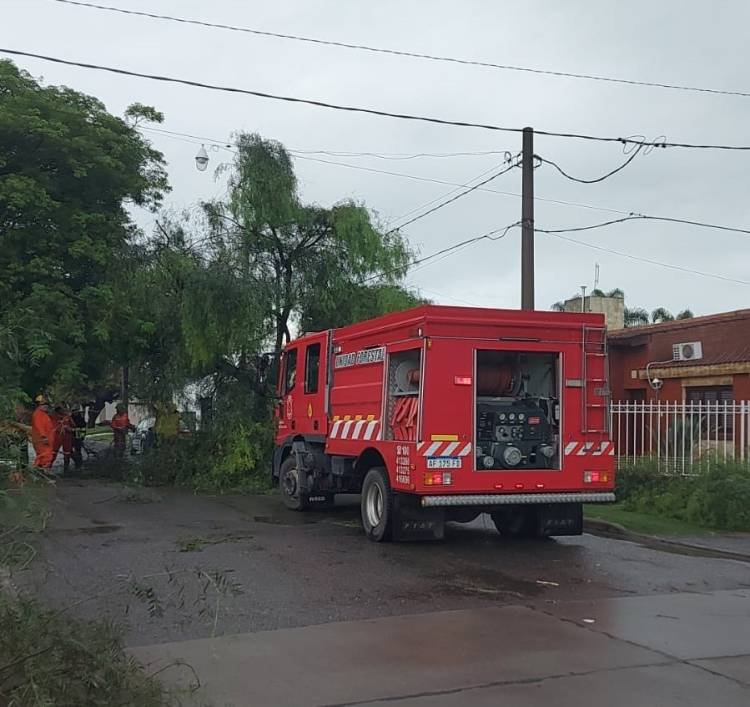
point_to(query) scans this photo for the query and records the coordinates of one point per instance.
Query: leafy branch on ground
(47, 658)
(23, 514)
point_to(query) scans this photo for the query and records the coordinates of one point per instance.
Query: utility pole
(527, 220)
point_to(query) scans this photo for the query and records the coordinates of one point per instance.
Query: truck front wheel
(377, 505)
(289, 485)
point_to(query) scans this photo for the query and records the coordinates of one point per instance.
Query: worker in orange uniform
(43, 434)
(64, 433)
(120, 425)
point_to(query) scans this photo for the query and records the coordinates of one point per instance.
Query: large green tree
(212, 294)
(69, 170)
(308, 263)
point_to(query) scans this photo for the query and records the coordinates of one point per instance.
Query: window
(717, 394)
(312, 368)
(716, 407)
(290, 375)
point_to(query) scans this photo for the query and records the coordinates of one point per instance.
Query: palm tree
(635, 316)
(660, 314)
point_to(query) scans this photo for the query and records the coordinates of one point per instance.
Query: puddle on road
(343, 518)
(487, 583)
(297, 519)
(197, 543)
(97, 529)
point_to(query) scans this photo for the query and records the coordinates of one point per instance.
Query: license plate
(444, 463)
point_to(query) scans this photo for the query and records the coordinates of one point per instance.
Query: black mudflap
(412, 522)
(559, 519)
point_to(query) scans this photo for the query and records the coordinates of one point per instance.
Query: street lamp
(201, 159)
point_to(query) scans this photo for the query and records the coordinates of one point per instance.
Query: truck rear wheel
(289, 485)
(377, 505)
(516, 521)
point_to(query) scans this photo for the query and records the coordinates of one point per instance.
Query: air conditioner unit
(689, 351)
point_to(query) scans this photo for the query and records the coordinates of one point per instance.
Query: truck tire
(377, 506)
(516, 522)
(289, 485)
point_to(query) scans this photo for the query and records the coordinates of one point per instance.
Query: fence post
(674, 439)
(692, 434)
(627, 430)
(682, 434)
(658, 435)
(700, 435)
(725, 431)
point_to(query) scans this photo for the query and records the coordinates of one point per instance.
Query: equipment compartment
(403, 395)
(517, 410)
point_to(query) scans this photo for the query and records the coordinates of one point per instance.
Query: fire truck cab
(439, 414)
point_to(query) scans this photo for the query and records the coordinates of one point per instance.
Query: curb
(607, 529)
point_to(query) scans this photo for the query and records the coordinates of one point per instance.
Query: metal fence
(682, 438)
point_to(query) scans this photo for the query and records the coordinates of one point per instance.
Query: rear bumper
(517, 499)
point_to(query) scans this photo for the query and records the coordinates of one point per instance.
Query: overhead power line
(650, 261)
(396, 156)
(305, 155)
(452, 184)
(597, 179)
(557, 233)
(491, 235)
(357, 109)
(415, 209)
(646, 217)
(401, 156)
(456, 197)
(411, 54)
(628, 215)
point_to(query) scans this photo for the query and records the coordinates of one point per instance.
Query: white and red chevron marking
(443, 449)
(355, 429)
(594, 449)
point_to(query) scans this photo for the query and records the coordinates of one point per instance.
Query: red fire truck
(439, 414)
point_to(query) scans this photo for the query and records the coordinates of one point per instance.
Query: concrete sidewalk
(677, 649)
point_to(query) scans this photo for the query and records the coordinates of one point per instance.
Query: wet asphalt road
(172, 566)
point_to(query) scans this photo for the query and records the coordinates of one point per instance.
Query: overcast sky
(695, 43)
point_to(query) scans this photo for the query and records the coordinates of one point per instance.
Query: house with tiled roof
(703, 359)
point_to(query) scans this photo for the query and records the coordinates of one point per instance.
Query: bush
(717, 497)
(48, 658)
(219, 458)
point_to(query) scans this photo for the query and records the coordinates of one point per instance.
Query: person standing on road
(79, 434)
(65, 433)
(120, 425)
(43, 434)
